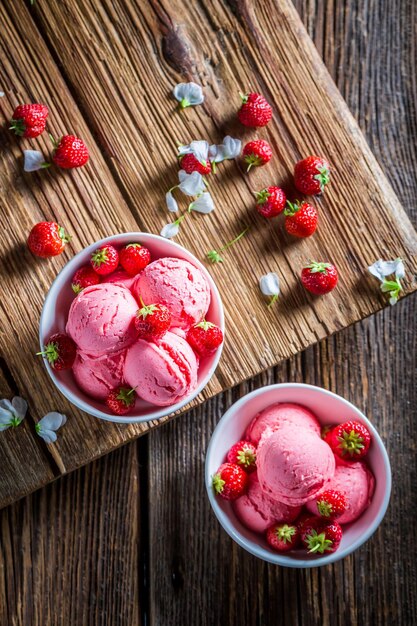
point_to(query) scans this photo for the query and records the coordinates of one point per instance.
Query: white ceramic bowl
(329, 408)
(55, 312)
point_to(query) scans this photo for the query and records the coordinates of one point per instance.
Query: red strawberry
(270, 201)
(319, 278)
(300, 219)
(105, 260)
(349, 441)
(29, 120)
(257, 153)
(70, 152)
(190, 164)
(243, 453)
(152, 321)
(205, 338)
(325, 538)
(255, 110)
(134, 258)
(60, 351)
(331, 504)
(121, 400)
(47, 239)
(306, 524)
(84, 277)
(311, 175)
(283, 537)
(230, 481)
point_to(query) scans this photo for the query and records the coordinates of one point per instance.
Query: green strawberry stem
(393, 288)
(244, 97)
(272, 300)
(218, 483)
(292, 207)
(184, 103)
(315, 267)
(214, 255)
(50, 352)
(262, 196)
(55, 143)
(323, 177)
(285, 532)
(318, 542)
(65, 238)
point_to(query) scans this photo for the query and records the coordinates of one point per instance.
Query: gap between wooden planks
(118, 64)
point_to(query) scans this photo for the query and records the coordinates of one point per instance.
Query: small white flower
(200, 149)
(269, 285)
(381, 269)
(203, 204)
(1, 94)
(212, 151)
(191, 184)
(229, 149)
(33, 160)
(12, 413)
(49, 424)
(171, 230)
(188, 94)
(172, 204)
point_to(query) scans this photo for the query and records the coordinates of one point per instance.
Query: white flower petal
(220, 154)
(1, 94)
(6, 408)
(203, 204)
(381, 269)
(182, 175)
(232, 146)
(269, 284)
(20, 406)
(172, 204)
(52, 421)
(188, 93)
(200, 150)
(400, 269)
(212, 151)
(49, 436)
(191, 184)
(33, 160)
(170, 230)
(184, 150)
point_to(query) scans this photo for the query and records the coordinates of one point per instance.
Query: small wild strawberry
(230, 481)
(134, 258)
(189, 163)
(311, 175)
(152, 321)
(105, 260)
(255, 110)
(29, 120)
(349, 441)
(270, 201)
(319, 278)
(300, 219)
(243, 453)
(84, 277)
(47, 239)
(257, 153)
(205, 338)
(60, 352)
(331, 504)
(121, 400)
(70, 152)
(283, 537)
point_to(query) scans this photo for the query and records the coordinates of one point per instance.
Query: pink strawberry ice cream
(294, 464)
(163, 372)
(120, 277)
(357, 483)
(257, 510)
(179, 286)
(278, 415)
(98, 375)
(100, 319)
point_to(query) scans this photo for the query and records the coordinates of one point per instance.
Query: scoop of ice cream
(179, 286)
(278, 415)
(98, 375)
(120, 277)
(294, 464)
(163, 372)
(100, 319)
(357, 482)
(258, 511)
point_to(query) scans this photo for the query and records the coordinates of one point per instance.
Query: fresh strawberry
(300, 219)
(47, 239)
(319, 278)
(311, 175)
(134, 258)
(243, 453)
(84, 277)
(230, 481)
(270, 201)
(29, 120)
(283, 537)
(121, 400)
(325, 538)
(70, 152)
(105, 260)
(350, 441)
(205, 338)
(306, 524)
(331, 504)
(257, 153)
(255, 110)
(189, 163)
(152, 321)
(60, 352)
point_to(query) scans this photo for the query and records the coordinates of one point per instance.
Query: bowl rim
(281, 559)
(161, 412)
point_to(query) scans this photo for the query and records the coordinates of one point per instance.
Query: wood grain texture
(96, 63)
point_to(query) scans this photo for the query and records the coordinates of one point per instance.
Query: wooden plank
(111, 53)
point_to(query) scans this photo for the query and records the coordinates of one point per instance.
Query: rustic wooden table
(130, 539)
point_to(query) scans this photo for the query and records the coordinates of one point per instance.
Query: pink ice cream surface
(179, 286)
(294, 464)
(357, 482)
(163, 372)
(278, 415)
(258, 511)
(100, 319)
(98, 375)
(120, 277)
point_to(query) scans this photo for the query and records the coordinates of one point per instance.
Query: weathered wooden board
(107, 69)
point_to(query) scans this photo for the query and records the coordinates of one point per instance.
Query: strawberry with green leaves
(47, 239)
(300, 219)
(349, 441)
(134, 258)
(29, 120)
(105, 260)
(270, 202)
(152, 321)
(319, 278)
(255, 110)
(331, 504)
(257, 153)
(84, 277)
(283, 537)
(243, 453)
(311, 175)
(121, 400)
(205, 337)
(60, 352)
(230, 481)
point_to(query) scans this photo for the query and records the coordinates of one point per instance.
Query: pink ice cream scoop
(278, 415)
(258, 511)
(163, 373)
(98, 375)
(294, 464)
(357, 483)
(120, 277)
(179, 286)
(100, 319)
